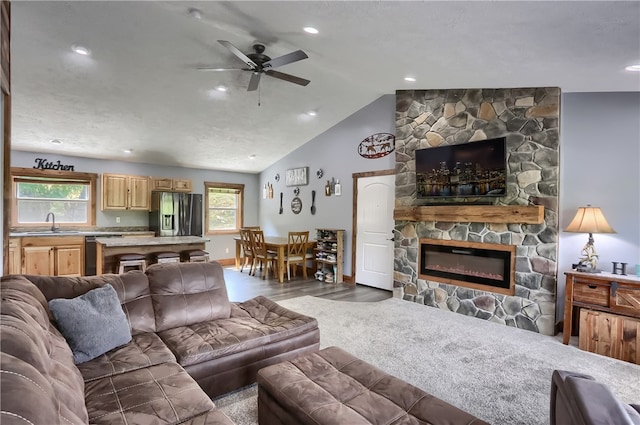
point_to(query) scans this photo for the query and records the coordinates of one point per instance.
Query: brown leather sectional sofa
(189, 343)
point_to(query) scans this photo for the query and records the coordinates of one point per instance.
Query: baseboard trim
(227, 261)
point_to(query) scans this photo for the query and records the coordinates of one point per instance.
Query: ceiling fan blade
(254, 81)
(285, 59)
(210, 68)
(233, 49)
(288, 77)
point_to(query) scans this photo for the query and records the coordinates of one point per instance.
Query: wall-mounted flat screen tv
(473, 169)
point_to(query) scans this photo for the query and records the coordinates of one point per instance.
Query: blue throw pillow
(92, 323)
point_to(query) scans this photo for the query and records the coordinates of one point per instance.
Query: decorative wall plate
(377, 145)
(296, 205)
(296, 191)
(277, 177)
(319, 173)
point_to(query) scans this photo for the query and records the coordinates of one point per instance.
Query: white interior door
(374, 250)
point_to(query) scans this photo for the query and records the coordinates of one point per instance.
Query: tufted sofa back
(187, 293)
(132, 289)
(39, 378)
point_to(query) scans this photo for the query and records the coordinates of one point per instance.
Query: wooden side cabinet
(125, 192)
(609, 313)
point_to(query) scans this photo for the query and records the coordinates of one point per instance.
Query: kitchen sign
(43, 164)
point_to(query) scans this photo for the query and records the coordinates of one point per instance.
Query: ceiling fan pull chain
(259, 91)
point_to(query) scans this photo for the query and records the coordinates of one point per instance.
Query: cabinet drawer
(591, 293)
(626, 301)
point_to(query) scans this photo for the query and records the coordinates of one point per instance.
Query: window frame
(239, 188)
(89, 178)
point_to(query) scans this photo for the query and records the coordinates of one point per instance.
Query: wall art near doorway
(377, 145)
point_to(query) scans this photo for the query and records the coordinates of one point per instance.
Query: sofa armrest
(578, 399)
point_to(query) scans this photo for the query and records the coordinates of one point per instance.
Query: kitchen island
(108, 249)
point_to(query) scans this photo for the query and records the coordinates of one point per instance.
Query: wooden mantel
(524, 214)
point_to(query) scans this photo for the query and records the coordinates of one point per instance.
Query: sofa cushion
(161, 394)
(92, 323)
(253, 323)
(144, 350)
(132, 289)
(187, 293)
(37, 364)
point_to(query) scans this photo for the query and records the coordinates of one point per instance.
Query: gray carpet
(497, 373)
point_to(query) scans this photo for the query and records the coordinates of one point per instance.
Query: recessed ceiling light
(252, 157)
(312, 113)
(635, 68)
(221, 88)
(81, 50)
(55, 142)
(310, 30)
(127, 150)
(410, 79)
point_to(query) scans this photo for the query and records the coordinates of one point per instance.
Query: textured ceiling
(139, 89)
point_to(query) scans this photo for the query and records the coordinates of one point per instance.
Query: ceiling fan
(258, 63)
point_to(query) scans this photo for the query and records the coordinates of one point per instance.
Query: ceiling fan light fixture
(81, 50)
(195, 13)
(310, 30)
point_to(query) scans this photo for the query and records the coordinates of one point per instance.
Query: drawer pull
(592, 286)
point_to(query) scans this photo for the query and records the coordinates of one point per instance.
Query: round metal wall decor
(296, 205)
(296, 191)
(319, 173)
(277, 177)
(377, 145)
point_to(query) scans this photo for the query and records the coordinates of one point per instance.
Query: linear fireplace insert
(485, 266)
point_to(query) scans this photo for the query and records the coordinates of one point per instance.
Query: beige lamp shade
(589, 220)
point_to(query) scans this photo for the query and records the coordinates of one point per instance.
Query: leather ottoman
(333, 387)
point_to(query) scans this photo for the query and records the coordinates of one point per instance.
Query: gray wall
(220, 247)
(599, 165)
(335, 152)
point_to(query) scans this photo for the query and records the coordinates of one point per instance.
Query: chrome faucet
(53, 225)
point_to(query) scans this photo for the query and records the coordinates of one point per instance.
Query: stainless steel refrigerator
(176, 214)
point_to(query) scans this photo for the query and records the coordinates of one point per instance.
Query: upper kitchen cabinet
(171, 185)
(125, 192)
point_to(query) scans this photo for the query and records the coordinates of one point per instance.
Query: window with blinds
(69, 195)
(223, 207)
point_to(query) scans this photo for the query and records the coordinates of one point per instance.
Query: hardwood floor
(241, 287)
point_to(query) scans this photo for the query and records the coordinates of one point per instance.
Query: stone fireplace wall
(529, 119)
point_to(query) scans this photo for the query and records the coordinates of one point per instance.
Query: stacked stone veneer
(529, 118)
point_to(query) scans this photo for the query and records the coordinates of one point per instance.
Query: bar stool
(136, 261)
(166, 257)
(196, 256)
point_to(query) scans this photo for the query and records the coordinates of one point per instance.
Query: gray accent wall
(219, 247)
(335, 152)
(600, 165)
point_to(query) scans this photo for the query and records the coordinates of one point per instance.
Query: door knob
(391, 239)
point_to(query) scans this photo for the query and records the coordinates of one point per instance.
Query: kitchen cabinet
(329, 255)
(53, 256)
(14, 256)
(172, 185)
(125, 192)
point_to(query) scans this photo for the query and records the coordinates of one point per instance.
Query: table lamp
(589, 220)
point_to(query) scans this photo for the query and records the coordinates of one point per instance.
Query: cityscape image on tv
(471, 169)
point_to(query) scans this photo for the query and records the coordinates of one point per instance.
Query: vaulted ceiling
(140, 89)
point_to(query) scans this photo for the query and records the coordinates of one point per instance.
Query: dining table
(277, 244)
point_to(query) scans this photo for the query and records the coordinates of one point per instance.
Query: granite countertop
(144, 241)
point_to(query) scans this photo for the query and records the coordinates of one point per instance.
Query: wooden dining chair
(297, 252)
(261, 255)
(247, 249)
